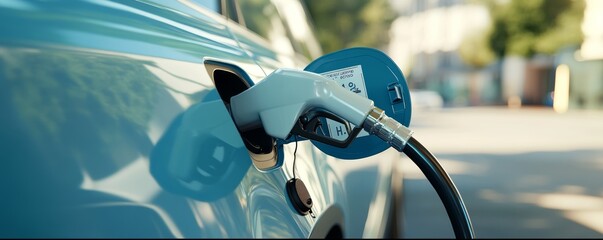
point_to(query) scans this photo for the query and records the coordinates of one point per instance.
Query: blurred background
(508, 94)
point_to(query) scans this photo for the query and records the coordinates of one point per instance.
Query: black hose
(441, 182)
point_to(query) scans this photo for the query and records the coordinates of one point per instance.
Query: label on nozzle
(352, 79)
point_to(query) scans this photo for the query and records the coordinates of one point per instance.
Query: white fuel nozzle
(286, 94)
(277, 102)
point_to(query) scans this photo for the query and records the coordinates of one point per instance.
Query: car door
(90, 90)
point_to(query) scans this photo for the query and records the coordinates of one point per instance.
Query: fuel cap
(370, 73)
(299, 196)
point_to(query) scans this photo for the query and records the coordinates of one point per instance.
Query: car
(426, 100)
(113, 126)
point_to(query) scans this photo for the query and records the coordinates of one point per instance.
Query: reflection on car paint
(88, 140)
(201, 155)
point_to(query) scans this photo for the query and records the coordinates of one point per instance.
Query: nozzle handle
(278, 101)
(311, 126)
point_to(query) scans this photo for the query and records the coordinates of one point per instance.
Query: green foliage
(343, 23)
(475, 51)
(525, 28)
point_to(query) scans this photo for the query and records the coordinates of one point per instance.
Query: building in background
(586, 63)
(428, 40)
(426, 43)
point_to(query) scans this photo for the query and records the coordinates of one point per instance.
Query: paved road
(523, 173)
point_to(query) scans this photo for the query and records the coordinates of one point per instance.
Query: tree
(343, 23)
(536, 26)
(475, 51)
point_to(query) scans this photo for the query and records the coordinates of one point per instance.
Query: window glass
(231, 9)
(262, 17)
(283, 23)
(301, 30)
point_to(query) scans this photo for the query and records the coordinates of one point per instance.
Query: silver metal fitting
(386, 128)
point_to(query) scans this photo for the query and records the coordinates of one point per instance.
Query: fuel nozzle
(290, 102)
(279, 101)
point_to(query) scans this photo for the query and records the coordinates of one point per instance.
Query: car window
(230, 9)
(296, 17)
(262, 17)
(283, 23)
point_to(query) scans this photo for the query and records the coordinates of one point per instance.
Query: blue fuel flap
(370, 73)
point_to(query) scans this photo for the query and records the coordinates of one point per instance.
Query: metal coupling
(386, 128)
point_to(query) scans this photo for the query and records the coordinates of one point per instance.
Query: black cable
(294, 156)
(441, 182)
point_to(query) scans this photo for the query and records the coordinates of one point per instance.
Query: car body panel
(88, 91)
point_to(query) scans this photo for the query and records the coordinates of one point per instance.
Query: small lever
(308, 125)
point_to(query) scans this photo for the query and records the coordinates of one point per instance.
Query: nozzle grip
(308, 125)
(278, 101)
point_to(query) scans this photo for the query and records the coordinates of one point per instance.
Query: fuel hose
(399, 137)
